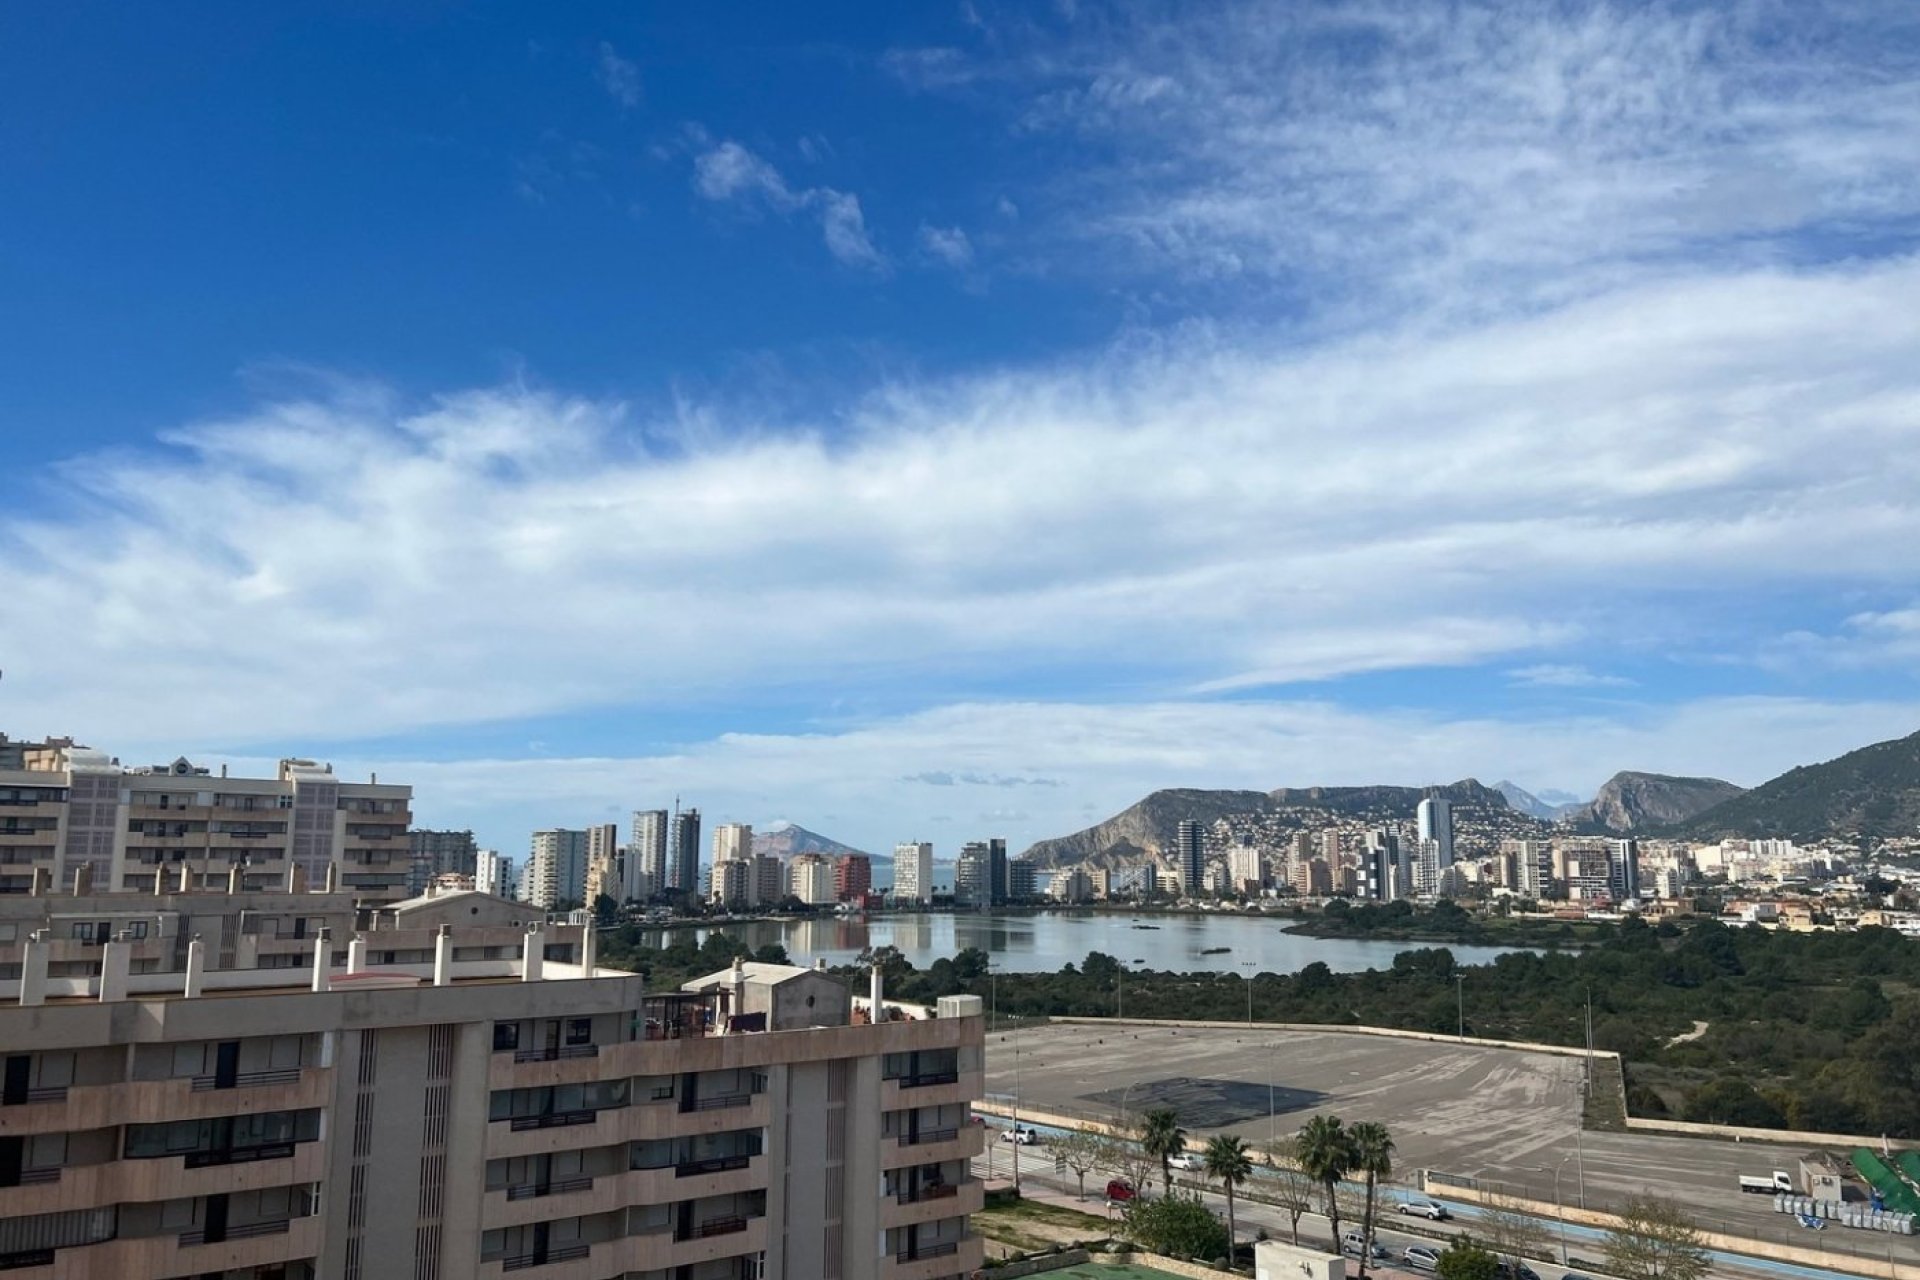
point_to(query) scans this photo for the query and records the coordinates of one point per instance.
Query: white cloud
(948, 245)
(618, 76)
(1565, 676)
(1212, 511)
(1470, 157)
(1105, 757)
(730, 172)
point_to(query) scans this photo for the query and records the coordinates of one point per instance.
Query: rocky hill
(1874, 791)
(1150, 826)
(1636, 803)
(1548, 806)
(786, 839)
(1145, 828)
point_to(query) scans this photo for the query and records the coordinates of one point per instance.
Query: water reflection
(1045, 942)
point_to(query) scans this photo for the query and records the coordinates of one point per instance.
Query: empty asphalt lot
(1503, 1116)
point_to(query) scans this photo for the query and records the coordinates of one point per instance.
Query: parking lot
(1505, 1117)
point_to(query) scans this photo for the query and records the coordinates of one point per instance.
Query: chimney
(533, 952)
(233, 879)
(357, 954)
(160, 881)
(876, 996)
(186, 877)
(33, 968)
(820, 964)
(223, 771)
(443, 956)
(196, 962)
(83, 880)
(323, 961)
(589, 943)
(333, 877)
(296, 879)
(114, 964)
(42, 881)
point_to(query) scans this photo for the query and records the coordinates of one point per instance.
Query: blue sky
(565, 407)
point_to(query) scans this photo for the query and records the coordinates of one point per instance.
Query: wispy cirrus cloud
(619, 76)
(1553, 675)
(1475, 157)
(729, 172)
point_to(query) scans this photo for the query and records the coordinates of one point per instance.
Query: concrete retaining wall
(1837, 1263)
(1038, 1266)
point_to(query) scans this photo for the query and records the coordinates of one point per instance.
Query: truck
(1780, 1181)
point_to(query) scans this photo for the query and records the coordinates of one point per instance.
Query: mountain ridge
(1871, 791)
(787, 840)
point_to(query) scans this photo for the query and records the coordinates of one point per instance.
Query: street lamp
(1560, 1208)
(1247, 978)
(1460, 990)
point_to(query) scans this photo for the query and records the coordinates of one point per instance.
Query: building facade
(73, 812)
(913, 871)
(646, 865)
(852, 877)
(683, 850)
(556, 867)
(1190, 858)
(398, 1119)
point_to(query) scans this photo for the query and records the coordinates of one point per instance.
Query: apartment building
(74, 817)
(556, 869)
(432, 854)
(810, 879)
(445, 1104)
(913, 871)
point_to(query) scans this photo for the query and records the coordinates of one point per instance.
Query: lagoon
(1044, 941)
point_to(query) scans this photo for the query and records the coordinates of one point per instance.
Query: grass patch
(1029, 1225)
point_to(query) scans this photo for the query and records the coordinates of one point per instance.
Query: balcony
(934, 1146)
(718, 1102)
(932, 1204)
(166, 1178)
(528, 1261)
(932, 1089)
(244, 1248)
(561, 1131)
(725, 1237)
(712, 1164)
(104, 1106)
(935, 1261)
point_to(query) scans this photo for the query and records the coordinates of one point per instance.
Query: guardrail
(928, 1136)
(719, 1102)
(941, 1191)
(238, 1155)
(565, 1253)
(249, 1231)
(248, 1079)
(557, 1120)
(938, 1249)
(712, 1164)
(551, 1187)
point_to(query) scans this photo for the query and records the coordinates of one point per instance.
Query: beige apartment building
(76, 820)
(449, 1088)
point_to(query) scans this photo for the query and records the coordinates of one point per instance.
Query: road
(1505, 1119)
(1041, 1181)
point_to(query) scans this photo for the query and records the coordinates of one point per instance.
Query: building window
(506, 1035)
(580, 1031)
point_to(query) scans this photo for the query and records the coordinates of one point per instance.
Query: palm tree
(1226, 1157)
(1325, 1153)
(1373, 1156)
(1162, 1138)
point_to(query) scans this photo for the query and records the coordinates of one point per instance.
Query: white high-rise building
(732, 842)
(913, 871)
(1435, 818)
(556, 868)
(1246, 864)
(646, 865)
(810, 879)
(493, 873)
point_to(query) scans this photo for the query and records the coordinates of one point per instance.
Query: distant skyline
(946, 422)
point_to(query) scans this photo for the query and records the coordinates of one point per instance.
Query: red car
(1119, 1191)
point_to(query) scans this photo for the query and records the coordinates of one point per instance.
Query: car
(1354, 1245)
(1421, 1257)
(1425, 1209)
(1517, 1271)
(1578, 1275)
(1120, 1191)
(1020, 1135)
(1186, 1162)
